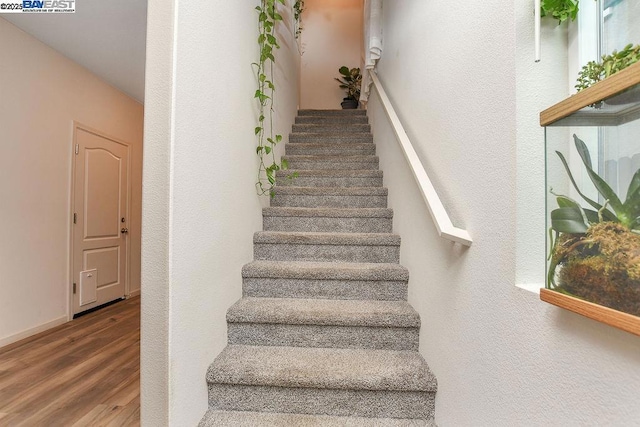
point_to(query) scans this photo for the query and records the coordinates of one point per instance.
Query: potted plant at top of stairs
(351, 81)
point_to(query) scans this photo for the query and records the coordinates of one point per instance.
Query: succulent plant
(593, 71)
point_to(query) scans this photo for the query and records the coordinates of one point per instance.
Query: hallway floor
(83, 373)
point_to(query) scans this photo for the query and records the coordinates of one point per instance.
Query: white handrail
(438, 213)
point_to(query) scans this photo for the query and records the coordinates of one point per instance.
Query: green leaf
(344, 71)
(278, 138)
(588, 216)
(608, 215)
(257, 129)
(270, 176)
(553, 263)
(267, 149)
(277, 16)
(634, 186)
(258, 150)
(568, 220)
(632, 203)
(261, 38)
(263, 17)
(603, 188)
(272, 39)
(285, 164)
(261, 118)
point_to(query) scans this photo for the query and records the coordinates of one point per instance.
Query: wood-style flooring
(83, 373)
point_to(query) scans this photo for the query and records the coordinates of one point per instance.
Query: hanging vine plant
(268, 20)
(298, 8)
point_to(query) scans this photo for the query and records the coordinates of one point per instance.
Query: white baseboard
(134, 293)
(32, 331)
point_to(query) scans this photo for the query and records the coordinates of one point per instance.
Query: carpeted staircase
(323, 335)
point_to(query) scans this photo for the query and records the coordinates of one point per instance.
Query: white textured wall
(501, 356)
(41, 94)
(331, 38)
(200, 205)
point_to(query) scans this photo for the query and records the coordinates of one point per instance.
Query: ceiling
(106, 37)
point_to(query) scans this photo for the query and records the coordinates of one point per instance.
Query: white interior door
(100, 220)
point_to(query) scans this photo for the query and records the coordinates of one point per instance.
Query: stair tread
(326, 368)
(325, 238)
(328, 212)
(360, 173)
(332, 191)
(333, 157)
(215, 418)
(325, 270)
(325, 312)
(336, 112)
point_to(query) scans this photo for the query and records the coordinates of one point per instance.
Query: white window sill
(531, 287)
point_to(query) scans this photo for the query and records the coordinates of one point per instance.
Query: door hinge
(75, 218)
(74, 288)
(77, 148)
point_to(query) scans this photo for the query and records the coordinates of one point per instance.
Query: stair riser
(355, 403)
(375, 338)
(332, 165)
(304, 201)
(300, 138)
(324, 289)
(340, 181)
(331, 150)
(321, 120)
(319, 252)
(270, 419)
(319, 224)
(307, 127)
(339, 113)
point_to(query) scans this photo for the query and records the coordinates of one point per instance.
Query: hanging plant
(268, 20)
(298, 8)
(560, 9)
(268, 17)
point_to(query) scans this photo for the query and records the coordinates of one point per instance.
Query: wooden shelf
(626, 322)
(607, 88)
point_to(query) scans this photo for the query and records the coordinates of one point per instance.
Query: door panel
(102, 193)
(101, 212)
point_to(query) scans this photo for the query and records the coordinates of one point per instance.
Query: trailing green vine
(298, 8)
(267, 140)
(268, 19)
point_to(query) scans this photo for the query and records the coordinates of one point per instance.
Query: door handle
(124, 230)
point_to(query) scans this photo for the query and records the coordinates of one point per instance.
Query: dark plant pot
(349, 104)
